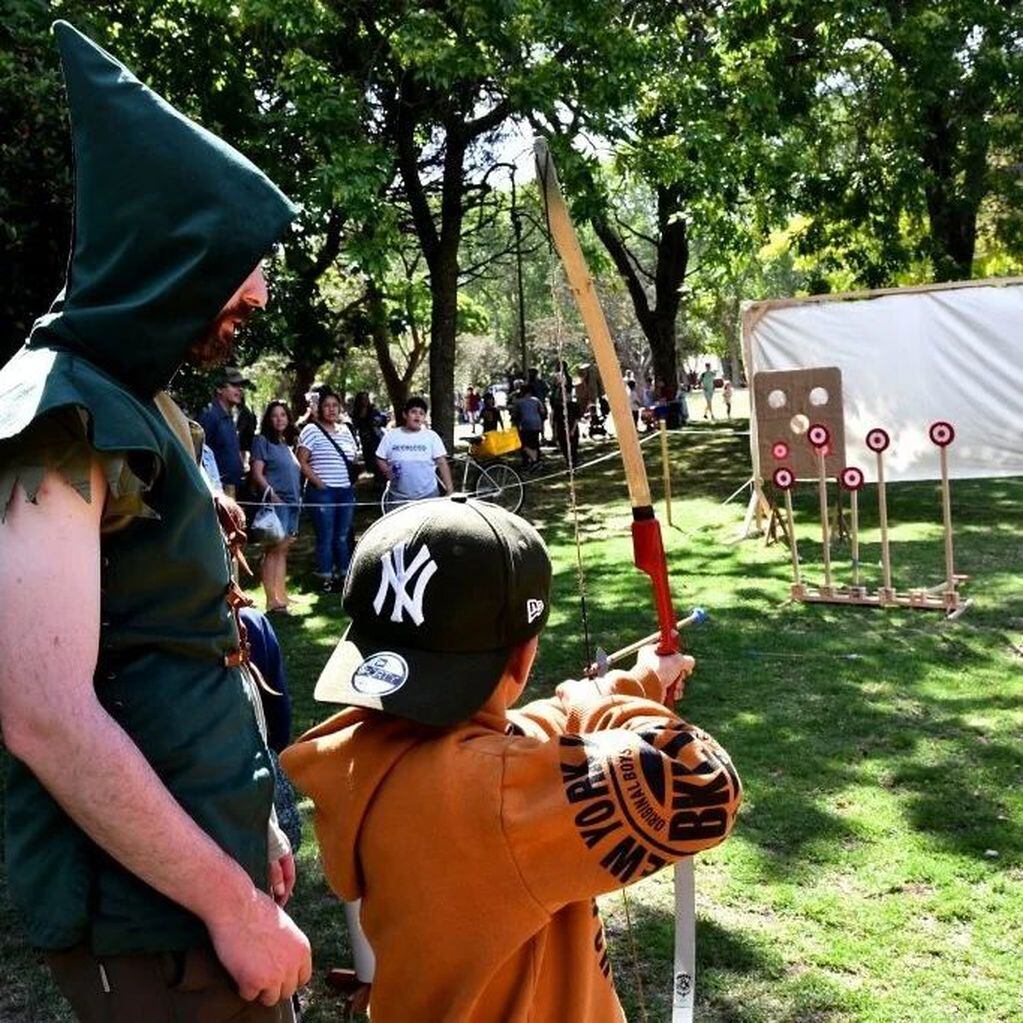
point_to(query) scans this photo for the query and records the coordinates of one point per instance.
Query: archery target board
(788, 403)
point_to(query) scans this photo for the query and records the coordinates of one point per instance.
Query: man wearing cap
(476, 836)
(138, 846)
(218, 423)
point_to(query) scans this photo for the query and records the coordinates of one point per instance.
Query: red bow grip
(648, 552)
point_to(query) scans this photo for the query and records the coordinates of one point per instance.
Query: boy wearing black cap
(476, 836)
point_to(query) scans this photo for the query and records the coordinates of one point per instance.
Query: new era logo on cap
(534, 608)
(381, 674)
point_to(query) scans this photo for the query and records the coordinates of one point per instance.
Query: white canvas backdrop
(909, 357)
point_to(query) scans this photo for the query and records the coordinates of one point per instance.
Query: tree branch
(408, 157)
(623, 262)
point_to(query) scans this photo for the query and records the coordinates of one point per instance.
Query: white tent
(909, 357)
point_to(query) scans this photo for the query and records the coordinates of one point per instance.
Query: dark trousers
(559, 436)
(162, 987)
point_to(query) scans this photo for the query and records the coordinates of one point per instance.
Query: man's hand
(671, 669)
(234, 511)
(282, 879)
(262, 949)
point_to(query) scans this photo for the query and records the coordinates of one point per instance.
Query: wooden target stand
(944, 597)
(786, 402)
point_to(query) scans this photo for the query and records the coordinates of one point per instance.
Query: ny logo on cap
(396, 577)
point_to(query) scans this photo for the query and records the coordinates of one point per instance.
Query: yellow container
(498, 442)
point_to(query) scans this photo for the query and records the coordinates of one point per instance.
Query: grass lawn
(876, 871)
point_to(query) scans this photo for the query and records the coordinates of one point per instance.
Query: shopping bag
(267, 528)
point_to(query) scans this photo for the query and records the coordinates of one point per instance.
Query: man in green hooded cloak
(139, 795)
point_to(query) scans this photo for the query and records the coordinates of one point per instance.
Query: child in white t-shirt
(411, 456)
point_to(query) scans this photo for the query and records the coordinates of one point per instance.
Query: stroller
(595, 419)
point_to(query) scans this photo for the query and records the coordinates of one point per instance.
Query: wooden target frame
(777, 417)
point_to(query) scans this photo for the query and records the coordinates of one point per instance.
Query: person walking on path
(218, 422)
(368, 422)
(726, 394)
(491, 418)
(566, 433)
(277, 477)
(140, 851)
(412, 456)
(329, 457)
(528, 415)
(519, 818)
(635, 401)
(707, 385)
(541, 390)
(472, 406)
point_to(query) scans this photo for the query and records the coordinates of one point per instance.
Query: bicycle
(487, 478)
(492, 480)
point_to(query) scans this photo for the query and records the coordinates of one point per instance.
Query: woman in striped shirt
(328, 454)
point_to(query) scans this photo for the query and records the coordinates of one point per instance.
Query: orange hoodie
(477, 850)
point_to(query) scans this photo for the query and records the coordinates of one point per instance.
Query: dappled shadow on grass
(706, 462)
(800, 740)
(728, 960)
(784, 686)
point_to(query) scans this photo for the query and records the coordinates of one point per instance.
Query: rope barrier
(526, 481)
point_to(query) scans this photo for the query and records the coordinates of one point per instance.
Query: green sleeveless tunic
(169, 221)
(160, 674)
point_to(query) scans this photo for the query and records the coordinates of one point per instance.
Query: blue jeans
(332, 510)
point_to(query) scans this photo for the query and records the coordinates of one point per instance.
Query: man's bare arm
(52, 720)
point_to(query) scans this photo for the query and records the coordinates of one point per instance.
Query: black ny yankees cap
(438, 592)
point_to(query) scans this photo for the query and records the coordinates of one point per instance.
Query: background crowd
(280, 465)
(277, 464)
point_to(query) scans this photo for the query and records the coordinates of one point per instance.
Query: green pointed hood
(169, 220)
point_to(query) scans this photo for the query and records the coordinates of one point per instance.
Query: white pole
(822, 486)
(365, 961)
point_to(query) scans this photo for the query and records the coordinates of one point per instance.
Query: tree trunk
(444, 291)
(669, 276)
(440, 248)
(731, 325)
(657, 321)
(953, 226)
(396, 384)
(443, 332)
(304, 378)
(953, 189)
(661, 335)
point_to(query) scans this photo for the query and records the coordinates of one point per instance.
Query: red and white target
(878, 440)
(784, 478)
(851, 477)
(780, 450)
(942, 433)
(819, 435)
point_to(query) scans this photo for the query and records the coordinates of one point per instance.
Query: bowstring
(580, 572)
